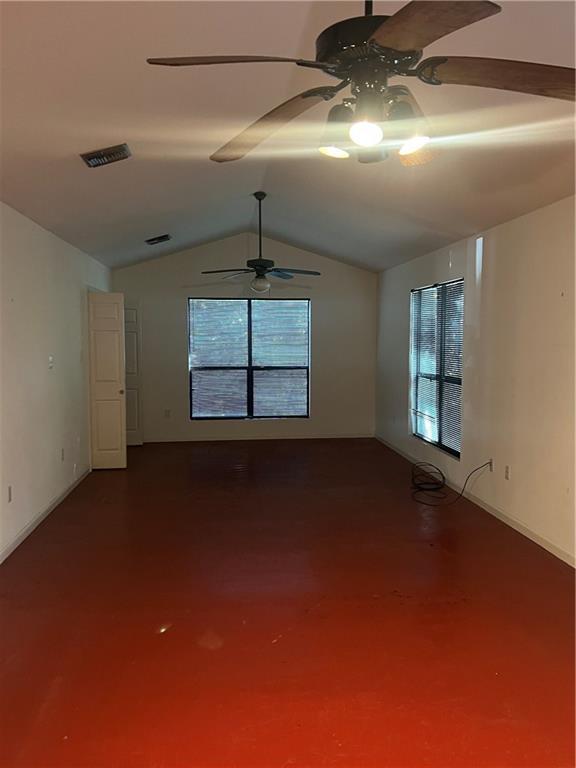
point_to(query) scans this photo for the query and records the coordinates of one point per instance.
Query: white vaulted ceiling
(74, 78)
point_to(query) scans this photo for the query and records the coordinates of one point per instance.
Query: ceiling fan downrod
(368, 7)
(259, 196)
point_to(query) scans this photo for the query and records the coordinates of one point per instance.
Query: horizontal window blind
(282, 391)
(279, 333)
(219, 393)
(218, 333)
(249, 358)
(436, 339)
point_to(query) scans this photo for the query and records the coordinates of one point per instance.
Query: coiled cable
(429, 484)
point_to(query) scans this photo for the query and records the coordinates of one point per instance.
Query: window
(436, 332)
(249, 358)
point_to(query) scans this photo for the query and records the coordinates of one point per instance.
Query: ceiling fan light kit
(364, 52)
(260, 284)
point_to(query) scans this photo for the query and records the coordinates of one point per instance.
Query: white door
(134, 430)
(107, 380)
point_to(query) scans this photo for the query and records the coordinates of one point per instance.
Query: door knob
(121, 392)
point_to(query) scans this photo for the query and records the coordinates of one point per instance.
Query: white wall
(518, 381)
(343, 340)
(43, 287)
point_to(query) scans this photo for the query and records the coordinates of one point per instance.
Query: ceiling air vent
(106, 156)
(158, 239)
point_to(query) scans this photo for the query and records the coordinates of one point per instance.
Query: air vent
(106, 156)
(158, 239)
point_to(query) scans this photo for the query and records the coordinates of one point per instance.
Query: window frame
(441, 378)
(249, 368)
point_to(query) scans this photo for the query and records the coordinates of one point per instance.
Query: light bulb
(260, 284)
(332, 151)
(413, 145)
(366, 134)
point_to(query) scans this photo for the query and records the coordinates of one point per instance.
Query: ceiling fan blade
(421, 22)
(265, 126)
(236, 274)
(299, 271)
(219, 271)
(191, 61)
(521, 76)
(280, 273)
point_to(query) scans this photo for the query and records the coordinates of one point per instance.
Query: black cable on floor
(429, 484)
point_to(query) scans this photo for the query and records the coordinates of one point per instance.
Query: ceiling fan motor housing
(348, 40)
(260, 266)
(347, 44)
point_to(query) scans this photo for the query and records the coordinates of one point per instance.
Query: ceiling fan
(261, 268)
(364, 52)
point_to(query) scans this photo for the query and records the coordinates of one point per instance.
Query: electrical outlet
(9, 494)
(507, 472)
(167, 413)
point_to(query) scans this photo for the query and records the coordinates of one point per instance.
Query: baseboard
(27, 530)
(524, 530)
(230, 438)
(543, 542)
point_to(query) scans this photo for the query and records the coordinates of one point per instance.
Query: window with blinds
(249, 358)
(436, 335)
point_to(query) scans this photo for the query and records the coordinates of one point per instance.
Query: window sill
(245, 418)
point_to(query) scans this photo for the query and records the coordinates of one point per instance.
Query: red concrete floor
(281, 605)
